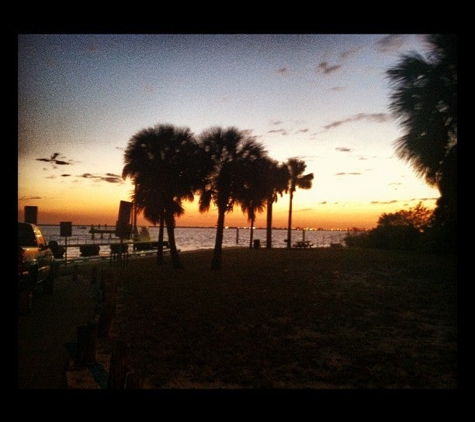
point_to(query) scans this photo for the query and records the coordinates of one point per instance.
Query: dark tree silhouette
(228, 150)
(253, 197)
(276, 180)
(296, 180)
(165, 164)
(424, 99)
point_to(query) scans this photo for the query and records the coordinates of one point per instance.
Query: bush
(387, 237)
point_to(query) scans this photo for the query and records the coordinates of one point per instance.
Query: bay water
(191, 238)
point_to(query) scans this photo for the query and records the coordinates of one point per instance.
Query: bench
(303, 244)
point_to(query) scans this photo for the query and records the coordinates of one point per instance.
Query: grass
(291, 319)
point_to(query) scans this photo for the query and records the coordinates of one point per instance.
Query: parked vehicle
(36, 264)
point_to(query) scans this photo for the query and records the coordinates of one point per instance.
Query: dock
(98, 230)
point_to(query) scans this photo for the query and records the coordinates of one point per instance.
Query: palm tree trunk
(269, 223)
(251, 237)
(218, 246)
(171, 241)
(160, 241)
(289, 224)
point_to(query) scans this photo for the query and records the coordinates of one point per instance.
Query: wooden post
(133, 381)
(94, 275)
(86, 344)
(75, 272)
(109, 289)
(118, 367)
(105, 320)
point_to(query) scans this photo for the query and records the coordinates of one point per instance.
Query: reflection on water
(193, 238)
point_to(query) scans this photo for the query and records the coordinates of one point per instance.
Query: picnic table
(303, 244)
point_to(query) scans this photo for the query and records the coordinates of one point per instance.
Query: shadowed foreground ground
(320, 319)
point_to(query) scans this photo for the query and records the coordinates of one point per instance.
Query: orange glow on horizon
(324, 216)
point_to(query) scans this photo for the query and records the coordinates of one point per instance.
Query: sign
(65, 229)
(123, 228)
(31, 214)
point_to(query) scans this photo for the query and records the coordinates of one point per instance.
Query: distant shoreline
(88, 226)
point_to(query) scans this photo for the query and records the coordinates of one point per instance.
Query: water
(192, 238)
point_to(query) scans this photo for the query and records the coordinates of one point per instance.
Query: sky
(322, 98)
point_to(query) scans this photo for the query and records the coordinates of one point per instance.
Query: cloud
(349, 174)
(348, 53)
(326, 69)
(92, 49)
(108, 177)
(29, 198)
(281, 131)
(55, 161)
(391, 44)
(372, 117)
(342, 149)
(404, 201)
(393, 201)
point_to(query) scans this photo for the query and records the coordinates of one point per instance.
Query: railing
(78, 251)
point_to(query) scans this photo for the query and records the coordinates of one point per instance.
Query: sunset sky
(323, 98)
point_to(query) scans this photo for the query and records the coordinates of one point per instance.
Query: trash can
(257, 243)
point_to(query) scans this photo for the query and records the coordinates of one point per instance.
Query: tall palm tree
(227, 150)
(253, 197)
(164, 163)
(424, 99)
(276, 182)
(297, 179)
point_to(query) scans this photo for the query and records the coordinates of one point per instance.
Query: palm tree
(253, 196)
(227, 151)
(424, 99)
(165, 165)
(276, 181)
(296, 180)
(148, 200)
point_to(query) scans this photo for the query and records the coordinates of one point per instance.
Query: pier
(97, 230)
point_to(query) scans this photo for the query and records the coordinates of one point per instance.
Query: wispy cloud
(393, 201)
(348, 174)
(326, 69)
(372, 117)
(391, 44)
(55, 161)
(108, 177)
(281, 131)
(349, 53)
(29, 198)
